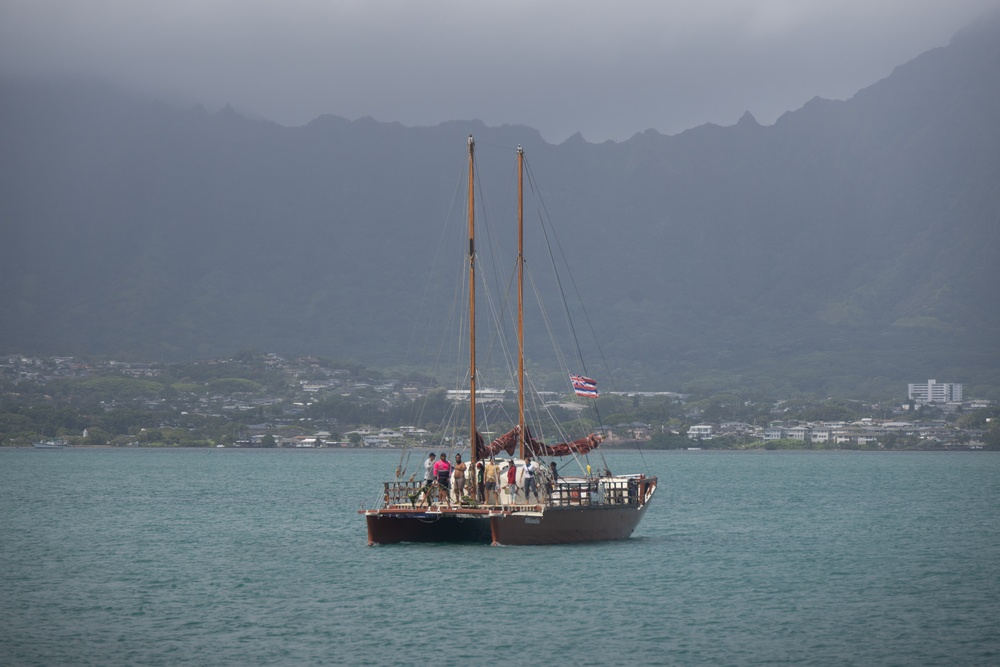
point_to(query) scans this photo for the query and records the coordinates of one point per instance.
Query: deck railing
(407, 493)
(563, 493)
(596, 492)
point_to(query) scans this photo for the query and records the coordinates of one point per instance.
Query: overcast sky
(605, 69)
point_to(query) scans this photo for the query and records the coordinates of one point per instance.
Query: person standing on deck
(492, 479)
(550, 484)
(480, 487)
(460, 468)
(429, 470)
(530, 468)
(512, 480)
(428, 482)
(442, 470)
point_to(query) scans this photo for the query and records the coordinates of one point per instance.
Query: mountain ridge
(848, 245)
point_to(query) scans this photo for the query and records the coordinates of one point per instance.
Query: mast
(520, 301)
(473, 444)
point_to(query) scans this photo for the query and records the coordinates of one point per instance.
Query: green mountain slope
(851, 246)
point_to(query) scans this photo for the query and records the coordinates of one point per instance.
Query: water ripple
(171, 557)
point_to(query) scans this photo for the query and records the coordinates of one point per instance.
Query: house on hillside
(800, 433)
(701, 432)
(775, 433)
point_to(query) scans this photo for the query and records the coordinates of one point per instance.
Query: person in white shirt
(429, 470)
(530, 470)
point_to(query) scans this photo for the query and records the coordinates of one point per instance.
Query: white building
(820, 434)
(935, 392)
(774, 433)
(482, 395)
(800, 433)
(703, 431)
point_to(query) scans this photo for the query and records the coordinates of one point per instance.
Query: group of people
(456, 478)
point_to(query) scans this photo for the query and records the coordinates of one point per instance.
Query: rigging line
(546, 320)
(537, 427)
(560, 357)
(557, 349)
(549, 244)
(479, 142)
(561, 434)
(498, 309)
(497, 337)
(552, 258)
(497, 342)
(450, 421)
(400, 468)
(461, 374)
(445, 229)
(456, 316)
(484, 222)
(561, 361)
(450, 316)
(511, 310)
(565, 304)
(554, 242)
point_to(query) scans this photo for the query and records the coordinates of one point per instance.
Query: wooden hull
(549, 525)
(391, 526)
(566, 525)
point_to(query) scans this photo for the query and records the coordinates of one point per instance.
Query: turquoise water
(229, 557)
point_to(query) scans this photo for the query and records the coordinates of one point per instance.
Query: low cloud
(607, 70)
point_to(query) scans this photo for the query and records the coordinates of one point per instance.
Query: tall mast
(520, 300)
(472, 315)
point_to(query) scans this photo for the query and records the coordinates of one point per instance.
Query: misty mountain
(849, 247)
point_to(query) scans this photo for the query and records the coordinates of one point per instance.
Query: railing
(625, 492)
(408, 493)
(563, 493)
(575, 493)
(596, 492)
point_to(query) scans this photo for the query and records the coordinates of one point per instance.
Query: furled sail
(581, 446)
(505, 443)
(508, 443)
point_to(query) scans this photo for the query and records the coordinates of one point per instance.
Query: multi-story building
(703, 431)
(800, 433)
(774, 433)
(935, 392)
(820, 434)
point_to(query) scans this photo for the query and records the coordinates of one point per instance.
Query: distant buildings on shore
(933, 391)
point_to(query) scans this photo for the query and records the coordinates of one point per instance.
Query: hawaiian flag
(584, 386)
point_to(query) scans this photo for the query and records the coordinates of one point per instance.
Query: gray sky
(606, 69)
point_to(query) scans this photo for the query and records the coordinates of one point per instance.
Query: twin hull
(550, 525)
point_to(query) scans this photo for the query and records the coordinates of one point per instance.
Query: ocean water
(258, 557)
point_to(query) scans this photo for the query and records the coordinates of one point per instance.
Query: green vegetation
(814, 257)
(225, 401)
(234, 386)
(105, 388)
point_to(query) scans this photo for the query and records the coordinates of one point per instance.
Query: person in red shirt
(512, 479)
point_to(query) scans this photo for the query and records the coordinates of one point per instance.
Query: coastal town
(266, 400)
